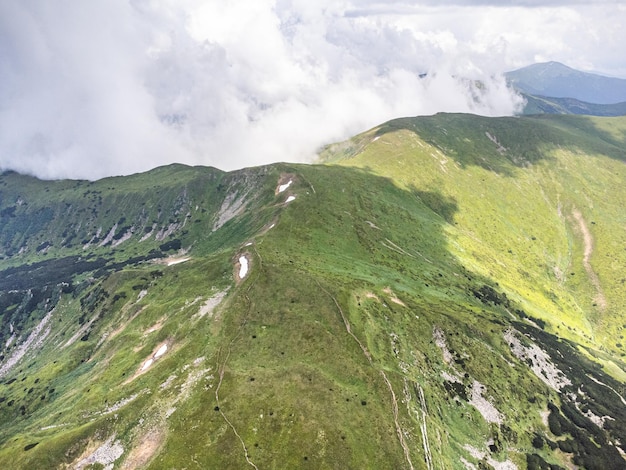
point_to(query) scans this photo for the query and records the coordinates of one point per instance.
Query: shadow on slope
(504, 143)
(498, 145)
(357, 255)
(352, 257)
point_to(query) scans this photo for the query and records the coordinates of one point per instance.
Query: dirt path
(394, 400)
(221, 370)
(599, 298)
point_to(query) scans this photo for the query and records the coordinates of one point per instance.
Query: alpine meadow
(442, 292)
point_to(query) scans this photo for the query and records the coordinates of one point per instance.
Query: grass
(399, 233)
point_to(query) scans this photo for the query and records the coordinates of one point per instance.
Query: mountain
(549, 105)
(438, 292)
(556, 80)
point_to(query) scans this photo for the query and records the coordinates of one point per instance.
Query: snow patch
(283, 187)
(156, 355)
(174, 261)
(243, 266)
(290, 198)
(162, 350)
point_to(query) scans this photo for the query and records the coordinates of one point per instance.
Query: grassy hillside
(442, 292)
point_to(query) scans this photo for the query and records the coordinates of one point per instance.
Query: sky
(109, 87)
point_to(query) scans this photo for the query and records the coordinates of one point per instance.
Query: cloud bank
(108, 87)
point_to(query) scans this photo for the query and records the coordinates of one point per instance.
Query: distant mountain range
(554, 88)
(550, 105)
(560, 81)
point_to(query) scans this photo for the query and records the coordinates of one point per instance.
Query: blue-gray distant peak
(560, 81)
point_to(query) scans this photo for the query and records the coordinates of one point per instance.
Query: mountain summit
(556, 80)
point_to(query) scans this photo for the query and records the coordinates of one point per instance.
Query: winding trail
(217, 399)
(599, 299)
(394, 400)
(222, 368)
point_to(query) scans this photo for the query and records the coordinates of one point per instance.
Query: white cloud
(111, 87)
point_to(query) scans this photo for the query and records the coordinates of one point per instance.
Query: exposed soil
(123, 326)
(157, 352)
(371, 295)
(172, 260)
(599, 298)
(157, 326)
(393, 297)
(285, 180)
(146, 449)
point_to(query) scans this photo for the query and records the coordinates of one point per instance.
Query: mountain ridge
(550, 105)
(424, 298)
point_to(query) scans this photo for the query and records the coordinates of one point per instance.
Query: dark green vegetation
(442, 293)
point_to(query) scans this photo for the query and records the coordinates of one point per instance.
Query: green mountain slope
(549, 105)
(442, 292)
